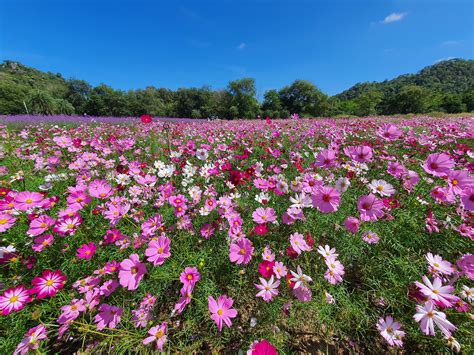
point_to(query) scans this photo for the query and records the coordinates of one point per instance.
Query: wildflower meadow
(247, 236)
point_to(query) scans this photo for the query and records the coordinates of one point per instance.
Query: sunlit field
(258, 236)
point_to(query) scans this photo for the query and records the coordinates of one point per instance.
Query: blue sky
(333, 43)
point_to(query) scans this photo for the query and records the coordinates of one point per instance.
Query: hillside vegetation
(447, 86)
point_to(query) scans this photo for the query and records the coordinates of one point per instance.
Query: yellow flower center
(3, 221)
(29, 200)
(14, 299)
(49, 283)
(219, 312)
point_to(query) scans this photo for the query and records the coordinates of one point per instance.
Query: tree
(243, 103)
(303, 97)
(12, 98)
(367, 103)
(64, 107)
(271, 104)
(453, 103)
(78, 93)
(41, 102)
(411, 99)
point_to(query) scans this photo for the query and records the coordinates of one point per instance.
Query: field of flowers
(253, 236)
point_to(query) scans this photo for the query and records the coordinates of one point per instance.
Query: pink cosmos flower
(437, 292)
(131, 272)
(298, 243)
(268, 289)
(108, 287)
(396, 169)
(68, 225)
(335, 270)
(280, 270)
(459, 180)
(108, 316)
(326, 158)
(6, 222)
(389, 132)
(438, 164)
(41, 242)
(32, 340)
(86, 251)
(150, 226)
(438, 265)
(26, 200)
(40, 225)
(158, 335)
(466, 264)
(352, 224)
(189, 277)
(100, 189)
(326, 199)
(391, 331)
(264, 215)
(221, 311)
(428, 316)
(14, 299)
(48, 284)
(241, 251)
(467, 199)
(158, 250)
(370, 237)
(361, 154)
(71, 311)
(370, 207)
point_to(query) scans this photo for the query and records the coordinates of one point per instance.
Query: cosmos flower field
(256, 236)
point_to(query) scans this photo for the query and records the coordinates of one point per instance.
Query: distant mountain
(449, 76)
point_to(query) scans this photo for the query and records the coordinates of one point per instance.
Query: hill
(450, 77)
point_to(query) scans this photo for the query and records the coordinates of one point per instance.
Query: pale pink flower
(222, 311)
(268, 289)
(428, 316)
(131, 272)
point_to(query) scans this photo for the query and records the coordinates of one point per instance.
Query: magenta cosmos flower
(263, 348)
(25, 200)
(466, 264)
(326, 158)
(86, 251)
(108, 316)
(352, 224)
(32, 339)
(189, 277)
(158, 250)
(389, 132)
(241, 251)
(40, 225)
(438, 164)
(41, 242)
(6, 222)
(264, 215)
(221, 311)
(100, 189)
(48, 284)
(14, 299)
(158, 335)
(467, 199)
(131, 272)
(361, 154)
(370, 208)
(326, 199)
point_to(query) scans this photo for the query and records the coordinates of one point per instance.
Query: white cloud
(452, 43)
(394, 17)
(241, 46)
(444, 59)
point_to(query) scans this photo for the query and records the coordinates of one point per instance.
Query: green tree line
(446, 87)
